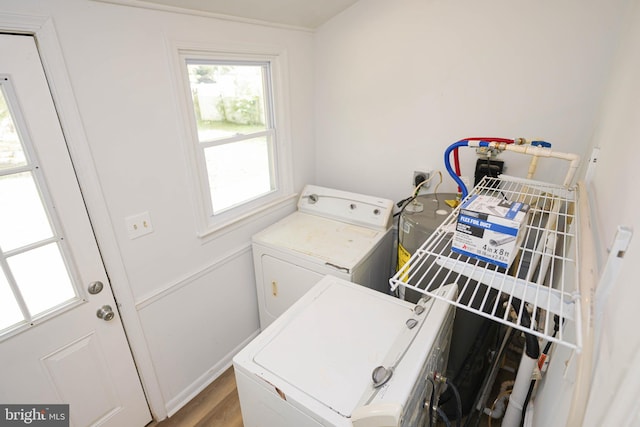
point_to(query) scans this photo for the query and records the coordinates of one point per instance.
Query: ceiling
(308, 14)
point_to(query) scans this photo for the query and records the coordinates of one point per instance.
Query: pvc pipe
(519, 393)
(534, 160)
(499, 407)
(533, 150)
(487, 383)
(533, 165)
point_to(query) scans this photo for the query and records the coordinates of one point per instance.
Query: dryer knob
(381, 375)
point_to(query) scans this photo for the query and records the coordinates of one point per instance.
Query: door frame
(43, 30)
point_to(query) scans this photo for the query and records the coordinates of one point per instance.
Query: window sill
(214, 231)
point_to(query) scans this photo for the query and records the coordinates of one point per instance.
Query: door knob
(105, 313)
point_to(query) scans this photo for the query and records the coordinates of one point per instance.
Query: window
(236, 144)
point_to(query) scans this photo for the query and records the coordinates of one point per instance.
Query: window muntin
(232, 103)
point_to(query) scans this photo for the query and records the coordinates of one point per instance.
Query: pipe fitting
(439, 378)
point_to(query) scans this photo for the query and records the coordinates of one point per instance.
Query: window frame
(276, 94)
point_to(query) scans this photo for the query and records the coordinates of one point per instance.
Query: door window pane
(23, 219)
(11, 151)
(42, 277)
(10, 313)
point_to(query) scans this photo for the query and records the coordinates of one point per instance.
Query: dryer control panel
(353, 208)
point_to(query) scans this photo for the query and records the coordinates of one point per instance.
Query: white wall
(188, 304)
(616, 382)
(397, 82)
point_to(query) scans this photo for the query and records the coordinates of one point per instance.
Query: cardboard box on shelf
(489, 229)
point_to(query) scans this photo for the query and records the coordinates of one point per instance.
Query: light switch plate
(138, 225)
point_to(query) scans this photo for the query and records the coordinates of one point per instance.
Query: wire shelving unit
(539, 292)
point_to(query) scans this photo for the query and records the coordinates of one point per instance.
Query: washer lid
(329, 348)
(341, 244)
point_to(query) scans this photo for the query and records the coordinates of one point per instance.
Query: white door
(54, 349)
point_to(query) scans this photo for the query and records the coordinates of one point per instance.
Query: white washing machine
(347, 356)
(334, 232)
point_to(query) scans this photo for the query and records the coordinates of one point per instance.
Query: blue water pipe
(447, 163)
(480, 143)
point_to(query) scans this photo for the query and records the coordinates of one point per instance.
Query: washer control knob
(381, 375)
(411, 323)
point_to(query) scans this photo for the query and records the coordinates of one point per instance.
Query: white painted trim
(43, 29)
(26, 24)
(200, 13)
(215, 232)
(167, 290)
(278, 57)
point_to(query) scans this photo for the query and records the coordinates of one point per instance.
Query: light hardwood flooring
(217, 405)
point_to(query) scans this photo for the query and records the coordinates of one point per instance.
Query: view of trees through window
(227, 99)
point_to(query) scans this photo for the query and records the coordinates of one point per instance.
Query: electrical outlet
(138, 225)
(418, 177)
(488, 167)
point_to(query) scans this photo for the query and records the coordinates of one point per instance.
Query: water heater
(418, 220)
(473, 337)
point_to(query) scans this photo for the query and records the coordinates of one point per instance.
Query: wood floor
(216, 406)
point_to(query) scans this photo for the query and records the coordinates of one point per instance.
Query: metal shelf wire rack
(543, 275)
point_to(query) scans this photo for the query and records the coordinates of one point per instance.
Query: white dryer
(329, 361)
(334, 232)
